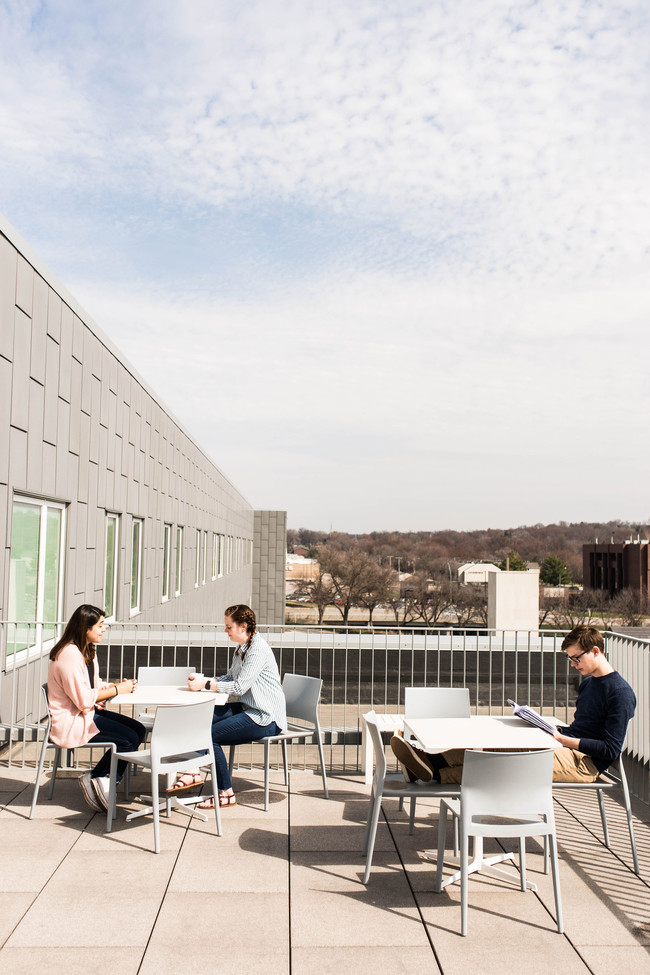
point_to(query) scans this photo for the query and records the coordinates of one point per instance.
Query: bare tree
(383, 582)
(318, 591)
(351, 573)
(626, 605)
(430, 600)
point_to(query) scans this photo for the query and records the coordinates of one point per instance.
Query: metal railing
(361, 668)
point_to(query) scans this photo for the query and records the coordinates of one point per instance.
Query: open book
(532, 717)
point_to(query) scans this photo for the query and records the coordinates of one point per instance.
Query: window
(228, 553)
(35, 571)
(204, 558)
(179, 559)
(167, 561)
(220, 551)
(136, 565)
(110, 567)
(197, 560)
(215, 554)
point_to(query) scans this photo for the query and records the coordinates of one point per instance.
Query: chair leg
(215, 796)
(522, 862)
(603, 817)
(412, 817)
(285, 761)
(463, 879)
(556, 882)
(39, 772)
(156, 811)
(628, 813)
(112, 793)
(267, 756)
(322, 760)
(231, 758)
(442, 842)
(376, 809)
(55, 769)
(369, 819)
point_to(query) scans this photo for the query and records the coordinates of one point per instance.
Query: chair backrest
(510, 784)
(436, 702)
(302, 695)
(148, 676)
(182, 728)
(377, 745)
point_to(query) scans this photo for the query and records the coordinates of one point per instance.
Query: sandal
(223, 801)
(187, 781)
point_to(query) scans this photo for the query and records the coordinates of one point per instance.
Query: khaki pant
(569, 765)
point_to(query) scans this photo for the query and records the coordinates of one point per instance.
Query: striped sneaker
(85, 783)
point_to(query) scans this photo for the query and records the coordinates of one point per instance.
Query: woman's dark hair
(76, 631)
(244, 616)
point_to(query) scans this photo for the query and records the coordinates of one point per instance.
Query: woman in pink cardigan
(76, 695)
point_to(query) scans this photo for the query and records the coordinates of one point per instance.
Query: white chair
(612, 778)
(436, 702)
(394, 786)
(513, 786)
(47, 743)
(180, 739)
(149, 676)
(302, 695)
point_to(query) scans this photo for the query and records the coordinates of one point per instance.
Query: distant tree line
(407, 551)
(415, 574)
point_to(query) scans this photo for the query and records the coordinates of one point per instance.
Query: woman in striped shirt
(260, 711)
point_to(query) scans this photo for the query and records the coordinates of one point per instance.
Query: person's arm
(255, 659)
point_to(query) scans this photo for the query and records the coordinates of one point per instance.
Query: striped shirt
(255, 680)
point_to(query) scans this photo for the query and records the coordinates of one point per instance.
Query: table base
(181, 805)
(479, 864)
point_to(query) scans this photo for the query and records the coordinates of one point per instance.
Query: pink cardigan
(72, 699)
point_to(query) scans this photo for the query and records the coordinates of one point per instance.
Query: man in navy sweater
(606, 702)
(592, 741)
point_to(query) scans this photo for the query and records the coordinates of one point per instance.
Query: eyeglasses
(574, 660)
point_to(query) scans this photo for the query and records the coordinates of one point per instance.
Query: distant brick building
(619, 566)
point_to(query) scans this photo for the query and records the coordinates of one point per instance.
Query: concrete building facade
(104, 496)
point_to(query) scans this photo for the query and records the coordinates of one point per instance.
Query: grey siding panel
(49, 471)
(39, 330)
(65, 360)
(54, 306)
(24, 285)
(20, 375)
(17, 459)
(35, 437)
(50, 419)
(8, 259)
(5, 410)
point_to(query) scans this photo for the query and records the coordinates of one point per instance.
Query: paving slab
(364, 961)
(233, 933)
(67, 961)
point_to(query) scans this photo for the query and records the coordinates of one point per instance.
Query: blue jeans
(127, 733)
(232, 726)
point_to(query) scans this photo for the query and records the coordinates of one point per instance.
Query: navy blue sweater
(603, 709)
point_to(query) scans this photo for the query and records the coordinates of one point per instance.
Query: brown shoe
(411, 758)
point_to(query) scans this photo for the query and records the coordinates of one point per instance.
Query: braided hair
(244, 616)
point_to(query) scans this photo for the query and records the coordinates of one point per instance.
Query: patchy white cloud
(395, 236)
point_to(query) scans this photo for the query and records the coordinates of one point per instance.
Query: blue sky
(387, 261)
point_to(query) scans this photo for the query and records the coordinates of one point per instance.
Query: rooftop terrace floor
(280, 892)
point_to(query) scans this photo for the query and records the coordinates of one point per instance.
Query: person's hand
(196, 682)
(127, 686)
